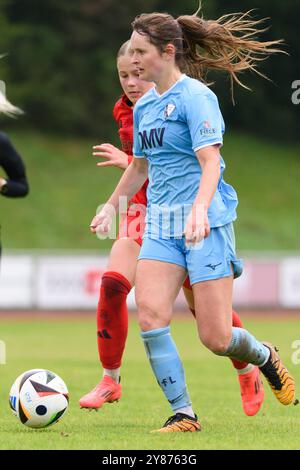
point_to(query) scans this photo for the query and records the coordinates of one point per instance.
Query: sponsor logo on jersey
(206, 129)
(151, 139)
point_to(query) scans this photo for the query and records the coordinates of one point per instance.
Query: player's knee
(218, 344)
(147, 317)
(114, 285)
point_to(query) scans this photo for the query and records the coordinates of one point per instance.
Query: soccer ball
(38, 398)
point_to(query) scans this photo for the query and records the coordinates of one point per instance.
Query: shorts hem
(232, 272)
(163, 260)
(210, 278)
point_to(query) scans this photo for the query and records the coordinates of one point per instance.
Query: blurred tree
(268, 110)
(61, 63)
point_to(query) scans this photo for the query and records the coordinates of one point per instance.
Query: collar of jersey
(182, 77)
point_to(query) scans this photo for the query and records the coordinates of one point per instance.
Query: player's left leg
(212, 265)
(213, 313)
(251, 386)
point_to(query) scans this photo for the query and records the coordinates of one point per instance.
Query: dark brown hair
(228, 43)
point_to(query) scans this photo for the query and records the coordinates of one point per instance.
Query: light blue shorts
(212, 258)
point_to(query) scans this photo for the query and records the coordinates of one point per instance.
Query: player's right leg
(112, 321)
(157, 286)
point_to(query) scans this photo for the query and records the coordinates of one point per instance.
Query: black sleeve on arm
(11, 162)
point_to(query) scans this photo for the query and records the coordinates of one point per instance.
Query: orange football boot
(282, 383)
(180, 423)
(107, 391)
(252, 391)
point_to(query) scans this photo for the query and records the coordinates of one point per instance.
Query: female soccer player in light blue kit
(177, 139)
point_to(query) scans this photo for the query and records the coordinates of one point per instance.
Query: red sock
(112, 319)
(237, 322)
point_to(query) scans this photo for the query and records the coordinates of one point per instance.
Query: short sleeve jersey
(168, 131)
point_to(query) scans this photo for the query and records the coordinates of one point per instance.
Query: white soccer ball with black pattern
(39, 398)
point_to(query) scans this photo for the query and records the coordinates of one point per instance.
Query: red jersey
(123, 115)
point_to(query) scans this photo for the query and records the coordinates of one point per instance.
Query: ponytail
(228, 44)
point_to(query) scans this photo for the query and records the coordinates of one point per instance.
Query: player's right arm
(113, 155)
(132, 180)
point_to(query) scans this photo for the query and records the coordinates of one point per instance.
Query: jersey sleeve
(204, 120)
(137, 151)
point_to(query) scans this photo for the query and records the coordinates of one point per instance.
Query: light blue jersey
(168, 130)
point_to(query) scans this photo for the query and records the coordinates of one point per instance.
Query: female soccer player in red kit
(117, 281)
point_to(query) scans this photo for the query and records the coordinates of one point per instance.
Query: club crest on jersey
(206, 128)
(169, 110)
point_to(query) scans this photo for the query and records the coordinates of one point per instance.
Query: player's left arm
(197, 226)
(206, 126)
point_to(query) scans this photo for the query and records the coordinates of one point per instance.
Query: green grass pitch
(68, 347)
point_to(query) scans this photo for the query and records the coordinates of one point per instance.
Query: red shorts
(132, 225)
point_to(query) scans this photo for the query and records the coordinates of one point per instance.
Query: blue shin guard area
(244, 347)
(167, 366)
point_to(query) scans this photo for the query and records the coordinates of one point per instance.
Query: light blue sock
(244, 347)
(166, 365)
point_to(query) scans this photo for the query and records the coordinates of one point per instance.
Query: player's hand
(113, 156)
(197, 225)
(101, 223)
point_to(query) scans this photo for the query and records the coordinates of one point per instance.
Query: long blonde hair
(5, 106)
(227, 44)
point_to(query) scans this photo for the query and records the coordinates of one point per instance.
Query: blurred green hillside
(60, 68)
(66, 187)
